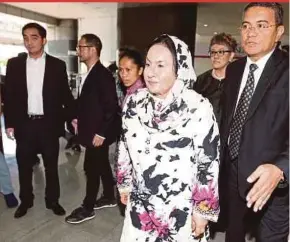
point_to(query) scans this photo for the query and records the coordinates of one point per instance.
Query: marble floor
(41, 225)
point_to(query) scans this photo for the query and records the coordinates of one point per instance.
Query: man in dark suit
(255, 129)
(97, 126)
(36, 93)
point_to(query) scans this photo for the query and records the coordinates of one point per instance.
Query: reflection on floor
(40, 225)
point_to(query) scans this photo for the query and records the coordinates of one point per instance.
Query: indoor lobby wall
(104, 25)
(139, 25)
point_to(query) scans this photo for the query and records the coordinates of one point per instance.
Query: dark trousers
(271, 224)
(34, 138)
(97, 166)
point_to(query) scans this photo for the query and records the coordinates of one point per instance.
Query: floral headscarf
(159, 115)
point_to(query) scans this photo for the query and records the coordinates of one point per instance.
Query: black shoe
(56, 208)
(104, 202)
(22, 210)
(11, 200)
(80, 215)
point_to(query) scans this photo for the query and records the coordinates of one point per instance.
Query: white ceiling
(219, 17)
(67, 10)
(226, 17)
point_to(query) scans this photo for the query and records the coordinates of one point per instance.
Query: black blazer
(57, 98)
(98, 107)
(265, 136)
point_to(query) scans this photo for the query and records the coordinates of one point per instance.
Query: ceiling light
(205, 25)
(214, 32)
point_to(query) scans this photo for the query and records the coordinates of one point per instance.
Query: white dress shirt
(35, 74)
(83, 79)
(257, 73)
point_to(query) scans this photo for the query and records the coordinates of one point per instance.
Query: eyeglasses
(246, 27)
(82, 46)
(219, 53)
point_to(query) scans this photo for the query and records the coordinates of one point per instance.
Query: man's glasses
(246, 27)
(218, 53)
(80, 47)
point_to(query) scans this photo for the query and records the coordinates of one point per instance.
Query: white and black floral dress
(168, 160)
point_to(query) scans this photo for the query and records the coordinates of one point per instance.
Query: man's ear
(280, 32)
(44, 41)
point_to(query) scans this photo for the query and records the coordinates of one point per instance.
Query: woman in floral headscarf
(168, 158)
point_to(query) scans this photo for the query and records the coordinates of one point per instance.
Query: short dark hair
(93, 40)
(122, 49)
(167, 42)
(276, 7)
(41, 30)
(133, 55)
(113, 67)
(224, 39)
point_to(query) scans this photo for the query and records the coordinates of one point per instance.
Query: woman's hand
(198, 225)
(124, 198)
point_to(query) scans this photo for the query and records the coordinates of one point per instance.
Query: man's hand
(198, 225)
(75, 125)
(124, 198)
(266, 178)
(98, 141)
(10, 133)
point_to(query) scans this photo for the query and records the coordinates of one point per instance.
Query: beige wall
(201, 65)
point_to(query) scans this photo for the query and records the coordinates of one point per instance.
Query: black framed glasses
(79, 47)
(218, 53)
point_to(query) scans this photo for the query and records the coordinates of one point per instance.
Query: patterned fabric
(241, 113)
(168, 160)
(130, 90)
(120, 93)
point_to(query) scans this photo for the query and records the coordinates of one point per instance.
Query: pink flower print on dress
(205, 197)
(120, 176)
(150, 222)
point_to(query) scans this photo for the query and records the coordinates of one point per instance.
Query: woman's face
(129, 72)
(159, 73)
(220, 56)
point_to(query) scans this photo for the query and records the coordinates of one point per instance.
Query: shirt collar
(40, 58)
(91, 67)
(261, 62)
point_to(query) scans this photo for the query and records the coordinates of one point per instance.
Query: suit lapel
(234, 88)
(85, 83)
(46, 77)
(264, 82)
(89, 76)
(23, 76)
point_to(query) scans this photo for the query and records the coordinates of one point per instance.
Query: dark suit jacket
(98, 107)
(265, 134)
(57, 98)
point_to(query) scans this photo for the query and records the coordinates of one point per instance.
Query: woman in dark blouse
(210, 84)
